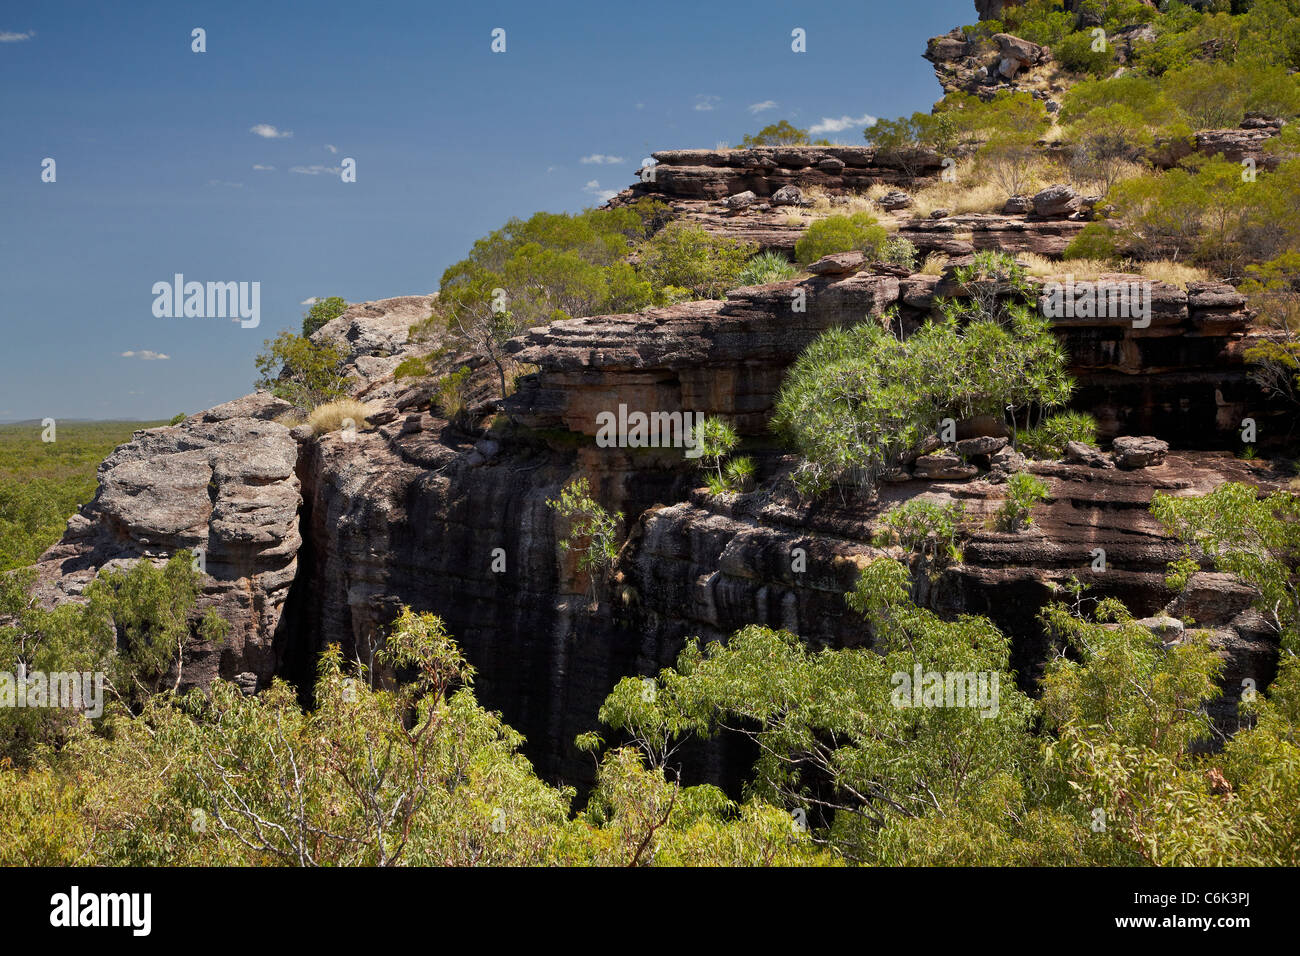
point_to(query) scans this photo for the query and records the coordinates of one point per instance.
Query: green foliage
(1006, 128)
(1023, 492)
(858, 398)
(1108, 140)
(1081, 52)
(835, 744)
(715, 439)
(592, 529)
(899, 251)
(133, 627)
(150, 607)
(301, 371)
(450, 395)
(43, 483)
(1095, 241)
(1254, 536)
(839, 233)
(913, 142)
(686, 255)
(767, 267)
(1048, 439)
(321, 312)
(413, 366)
(928, 530)
(739, 473)
(778, 134)
(1274, 291)
(1212, 215)
(551, 266)
(177, 418)
(969, 120)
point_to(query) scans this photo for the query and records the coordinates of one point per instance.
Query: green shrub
(592, 530)
(912, 142)
(451, 391)
(778, 134)
(302, 372)
(841, 234)
(321, 312)
(926, 529)
(857, 398)
(739, 473)
(1095, 241)
(767, 267)
(1076, 53)
(547, 267)
(1048, 439)
(1023, 492)
(413, 366)
(899, 251)
(715, 438)
(686, 255)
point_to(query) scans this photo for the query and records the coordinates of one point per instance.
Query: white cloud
(832, 125)
(705, 102)
(7, 37)
(262, 166)
(757, 108)
(604, 195)
(147, 355)
(332, 149)
(267, 131)
(312, 301)
(601, 159)
(315, 169)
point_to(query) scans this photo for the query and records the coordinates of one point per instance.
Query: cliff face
(311, 541)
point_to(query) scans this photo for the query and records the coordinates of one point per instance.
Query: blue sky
(156, 153)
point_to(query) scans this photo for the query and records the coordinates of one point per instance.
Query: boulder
(896, 199)
(943, 466)
(1056, 202)
(1004, 463)
(788, 196)
(838, 264)
(981, 445)
(1017, 54)
(1138, 452)
(740, 200)
(1163, 626)
(1018, 206)
(1077, 453)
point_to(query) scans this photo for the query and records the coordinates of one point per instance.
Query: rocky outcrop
(975, 232)
(311, 541)
(982, 66)
(222, 484)
(1180, 376)
(707, 566)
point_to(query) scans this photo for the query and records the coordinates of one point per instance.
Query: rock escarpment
(317, 540)
(1180, 377)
